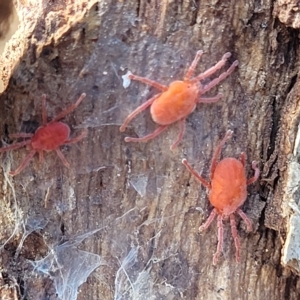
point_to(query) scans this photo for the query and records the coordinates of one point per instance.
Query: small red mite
(179, 99)
(227, 193)
(48, 137)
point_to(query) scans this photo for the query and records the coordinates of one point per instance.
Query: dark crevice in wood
(62, 228)
(21, 284)
(195, 12)
(291, 285)
(151, 245)
(5, 133)
(138, 6)
(29, 126)
(274, 129)
(292, 83)
(261, 222)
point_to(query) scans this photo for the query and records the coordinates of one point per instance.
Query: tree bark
(122, 222)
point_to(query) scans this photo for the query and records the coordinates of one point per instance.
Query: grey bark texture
(122, 222)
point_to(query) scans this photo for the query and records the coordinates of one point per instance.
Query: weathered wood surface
(122, 201)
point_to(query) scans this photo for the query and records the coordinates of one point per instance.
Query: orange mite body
(228, 186)
(175, 104)
(227, 193)
(179, 99)
(50, 136)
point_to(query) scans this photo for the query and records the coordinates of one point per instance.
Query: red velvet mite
(179, 99)
(227, 193)
(50, 136)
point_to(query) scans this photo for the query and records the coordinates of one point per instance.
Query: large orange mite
(179, 99)
(227, 193)
(50, 136)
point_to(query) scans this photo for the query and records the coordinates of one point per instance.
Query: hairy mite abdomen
(174, 104)
(228, 186)
(51, 136)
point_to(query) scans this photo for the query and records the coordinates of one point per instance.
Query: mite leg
(197, 175)
(20, 135)
(245, 218)
(210, 99)
(77, 139)
(256, 173)
(63, 159)
(213, 69)
(155, 84)
(23, 164)
(15, 146)
(69, 109)
(180, 135)
(220, 240)
(243, 159)
(137, 111)
(209, 220)
(235, 237)
(193, 65)
(41, 156)
(44, 110)
(218, 151)
(148, 137)
(216, 81)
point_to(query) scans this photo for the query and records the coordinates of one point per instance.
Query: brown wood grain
(120, 199)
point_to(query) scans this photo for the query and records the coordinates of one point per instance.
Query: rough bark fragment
(288, 12)
(6, 13)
